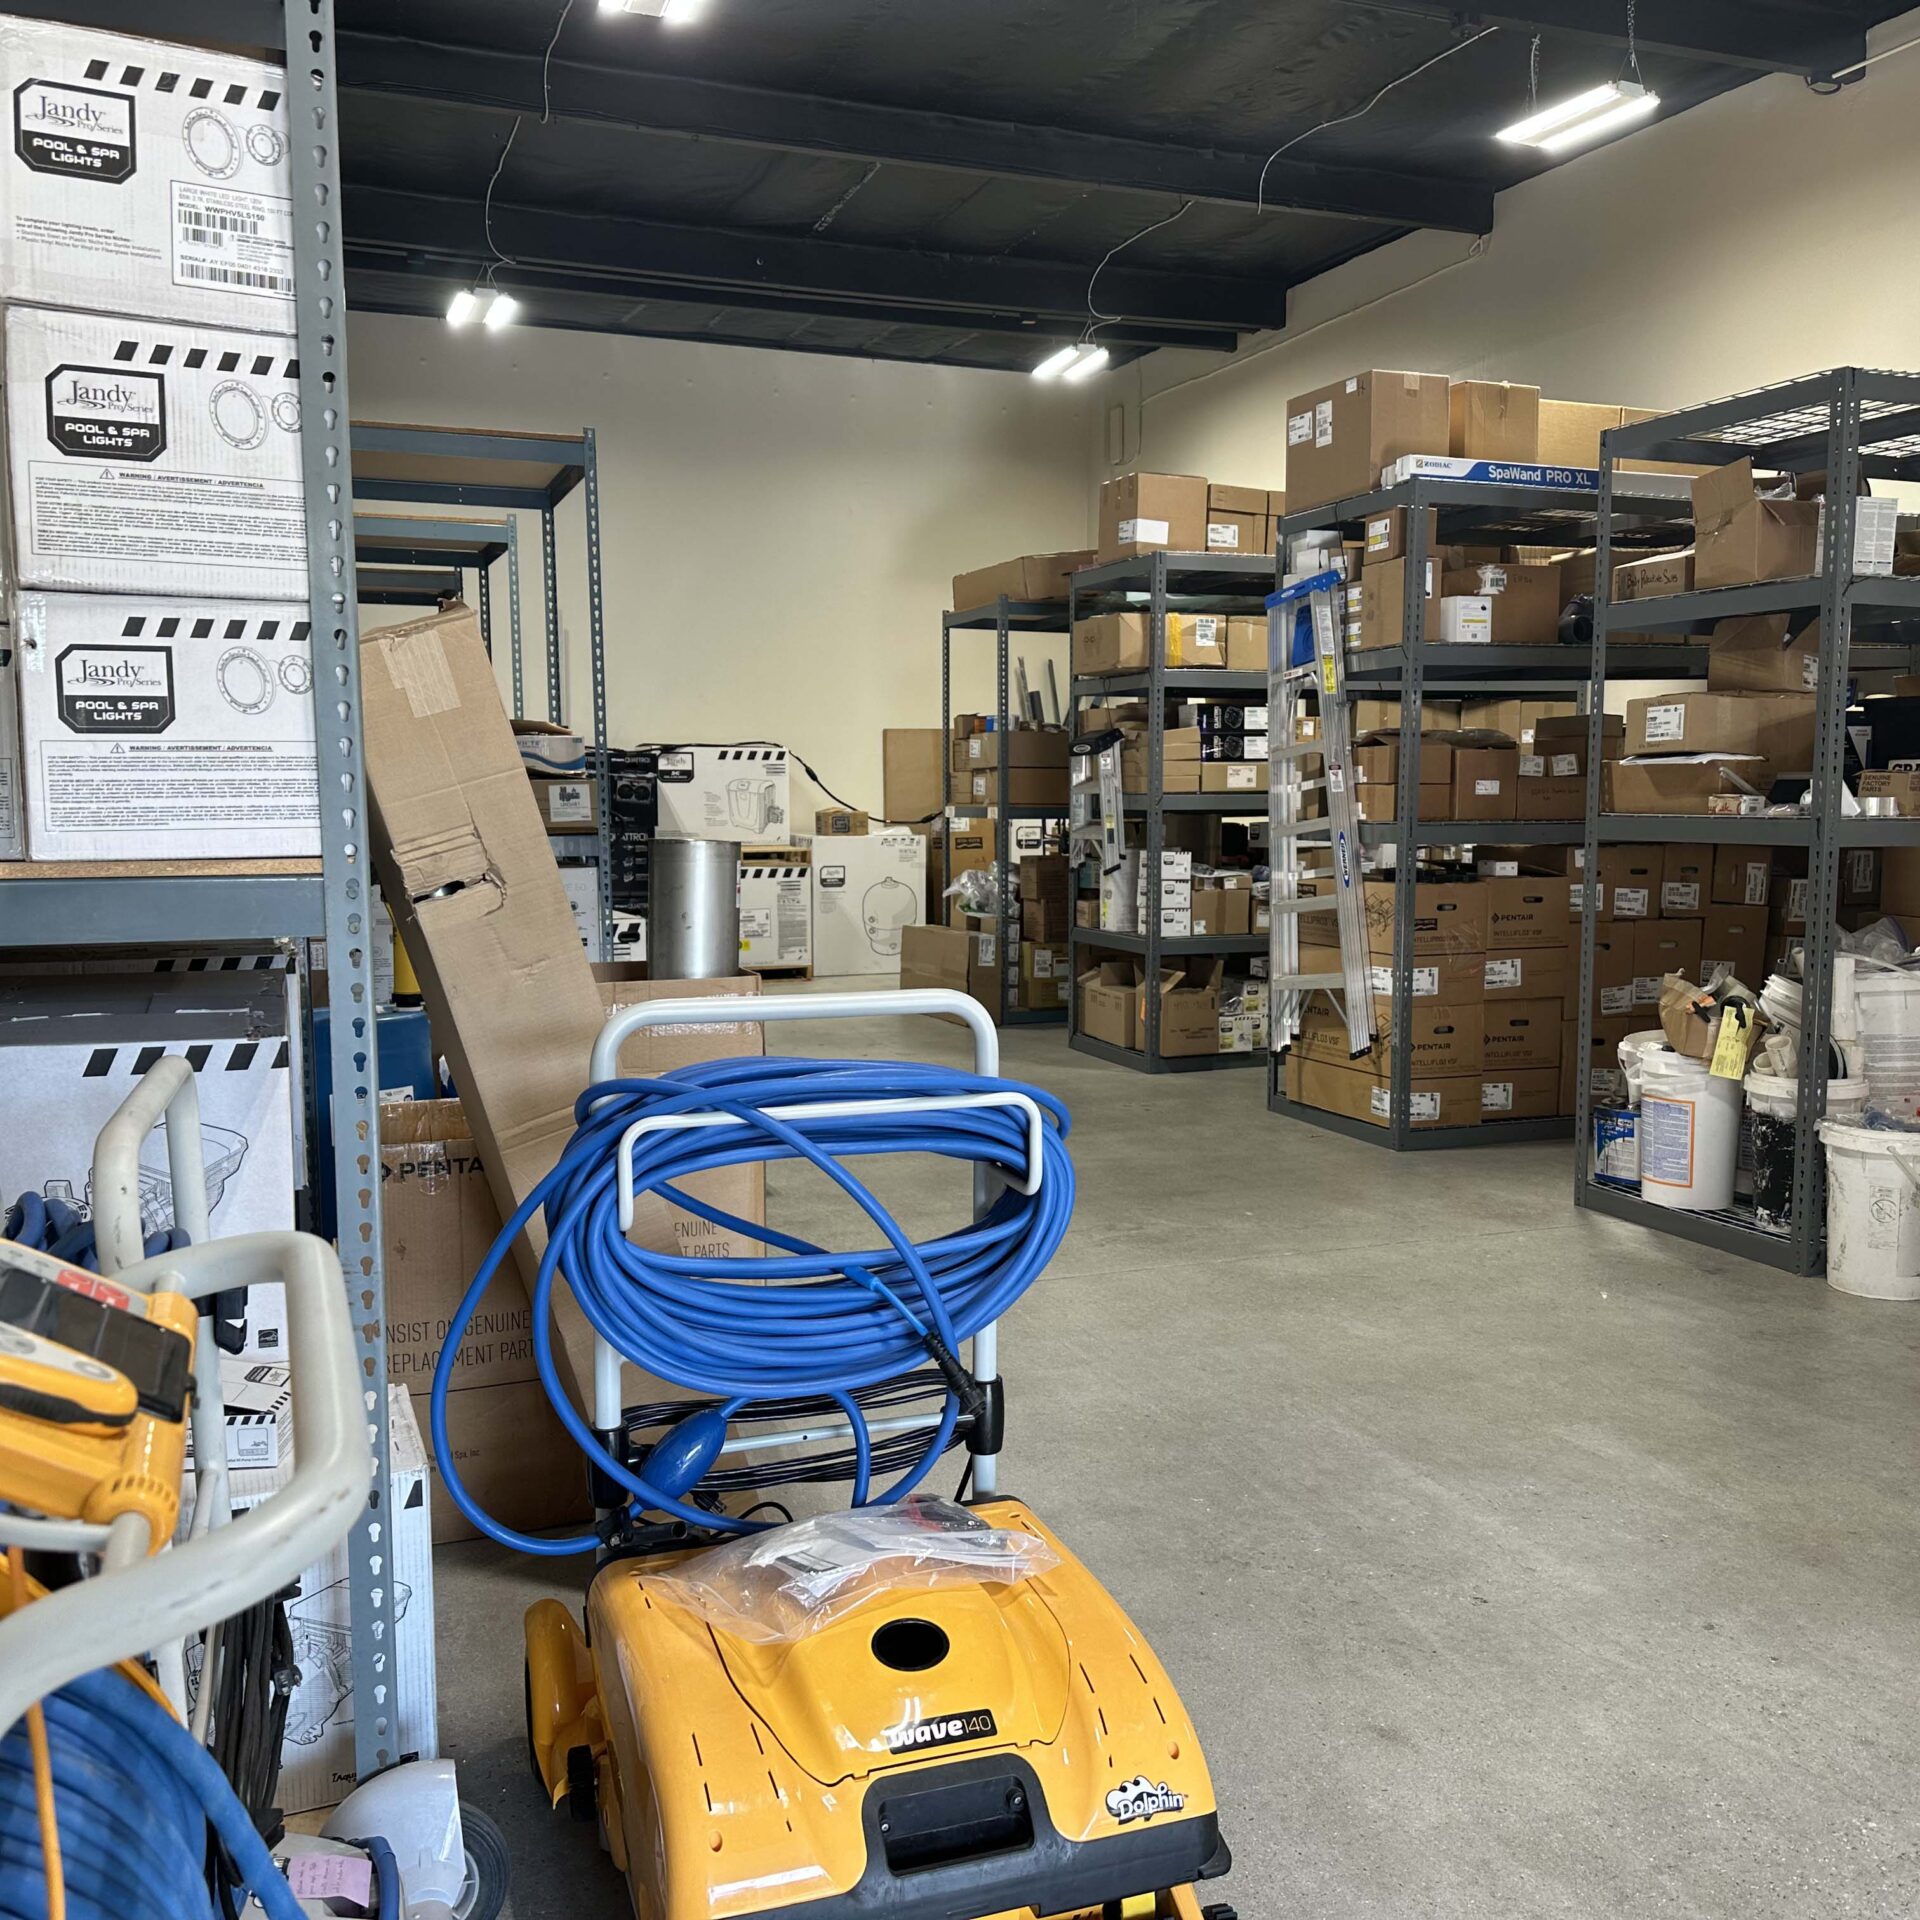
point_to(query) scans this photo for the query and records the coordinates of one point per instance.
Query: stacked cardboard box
(1113, 1006)
(1143, 513)
(1684, 750)
(1035, 759)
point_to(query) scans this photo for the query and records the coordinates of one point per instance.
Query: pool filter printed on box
(165, 729)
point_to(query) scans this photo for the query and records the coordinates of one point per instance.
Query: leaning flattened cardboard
(165, 729)
(144, 178)
(147, 456)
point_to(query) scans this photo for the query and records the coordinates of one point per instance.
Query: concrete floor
(1514, 1562)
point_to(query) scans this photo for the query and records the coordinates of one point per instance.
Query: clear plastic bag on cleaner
(793, 1580)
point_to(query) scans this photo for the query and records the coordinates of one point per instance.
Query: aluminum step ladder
(1308, 618)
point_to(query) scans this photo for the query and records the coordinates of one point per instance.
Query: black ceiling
(936, 180)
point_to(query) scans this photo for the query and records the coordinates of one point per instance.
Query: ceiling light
(1587, 116)
(491, 307)
(1075, 362)
(674, 13)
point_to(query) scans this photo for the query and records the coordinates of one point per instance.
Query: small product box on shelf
(148, 456)
(725, 793)
(165, 729)
(144, 178)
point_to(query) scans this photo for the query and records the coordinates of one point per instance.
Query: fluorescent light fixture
(1587, 116)
(492, 308)
(1074, 362)
(672, 13)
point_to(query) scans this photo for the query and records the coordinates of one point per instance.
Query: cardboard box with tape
(1143, 513)
(1340, 436)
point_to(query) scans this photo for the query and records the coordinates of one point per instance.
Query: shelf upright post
(1002, 826)
(513, 612)
(1589, 923)
(486, 608)
(1413, 637)
(550, 564)
(347, 870)
(946, 754)
(1823, 855)
(597, 644)
(1074, 865)
(1156, 795)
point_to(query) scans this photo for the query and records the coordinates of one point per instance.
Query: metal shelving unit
(1003, 618)
(1854, 425)
(508, 472)
(1157, 584)
(422, 542)
(1446, 513)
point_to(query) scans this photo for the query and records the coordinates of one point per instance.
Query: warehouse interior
(959, 962)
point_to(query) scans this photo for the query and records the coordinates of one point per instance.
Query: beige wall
(780, 530)
(1769, 233)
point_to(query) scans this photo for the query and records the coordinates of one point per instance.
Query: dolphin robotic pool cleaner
(917, 1708)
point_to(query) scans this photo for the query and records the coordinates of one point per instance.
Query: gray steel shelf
(1232, 804)
(1518, 516)
(1012, 813)
(426, 586)
(1162, 1063)
(430, 540)
(142, 910)
(1482, 833)
(1704, 829)
(1034, 1017)
(1489, 1133)
(1556, 669)
(1172, 679)
(1023, 616)
(1876, 599)
(1187, 576)
(1727, 1230)
(1879, 831)
(1193, 943)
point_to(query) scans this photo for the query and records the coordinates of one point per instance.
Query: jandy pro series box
(148, 457)
(144, 178)
(165, 729)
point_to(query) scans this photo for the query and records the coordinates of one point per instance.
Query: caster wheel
(484, 1892)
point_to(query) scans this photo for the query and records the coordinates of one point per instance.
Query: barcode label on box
(1667, 721)
(989, 949)
(1860, 870)
(1646, 989)
(226, 238)
(1299, 429)
(1378, 1101)
(1487, 788)
(1323, 424)
(1532, 767)
(1630, 903)
(1680, 896)
(1142, 533)
(1379, 535)
(1502, 973)
(1758, 875)
(569, 805)
(1496, 1096)
(1223, 536)
(1564, 765)
(1797, 899)
(1423, 1106)
(1616, 1000)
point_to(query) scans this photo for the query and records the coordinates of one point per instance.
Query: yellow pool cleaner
(920, 1708)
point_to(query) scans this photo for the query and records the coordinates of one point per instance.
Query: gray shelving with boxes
(409, 558)
(1003, 618)
(1159, 585)
(1852, 425)
(1426, 514)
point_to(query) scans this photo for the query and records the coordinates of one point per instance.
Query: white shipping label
(1797, 899)
(1564, 765)
(1711, 970)
(1759, 873)
(1242, 776)
(1616, 1000)
(1323, 424)
(569, 804)
(1630, 903)
(756, 923)
(976, 746)
(1299, 428)
(1646, 989)
(1860, 870)
(989, 949)
(1496, 1096)
(1487, 788)
(1666, 721)
(226, 238)
(1142, 533)
(1043, 963)
(1810, 672)
(1680, 896)
(1532, 767)
(1423, 1106)
(1353, 385)
(1503, 974)
(1208, 629)
(1378, 1102)
(1379, 535)
(1223, 536)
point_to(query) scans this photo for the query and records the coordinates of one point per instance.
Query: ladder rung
(1316, 905)
(1308, 830)
(1300, 747)
(1307, 982)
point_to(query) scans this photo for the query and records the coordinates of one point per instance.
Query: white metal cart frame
(608, 1402)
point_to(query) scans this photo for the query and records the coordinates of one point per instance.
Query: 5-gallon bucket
(1773, 1108)
(1873, 1210)
(1689, 1134)
(1888, 1010)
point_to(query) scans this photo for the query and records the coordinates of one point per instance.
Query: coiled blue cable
(134, 1793)
(805, 1321)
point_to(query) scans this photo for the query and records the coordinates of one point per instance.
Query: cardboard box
(776, 907)
(1757, 655)
(72, 1047)
(1452, 980)
(1686, 882)
(1109, 1002)
(1733, 940)
(1152, 513)
(1236, 776)
(513, 1456)
(1189, 1009)
(1385, 538)
(866, 893)
(165, 729)
(1656, 574)
(1018, 747)
(1383, 603)
(1436, 1100)
(1490, 420)
(1247, 643)
(1570, 431)
(1444, 1037)
(1379, 804)
(1527, 910)
(955, 958)
(1449, 917)
(1661, 947)
(150, 457)
(145, 178)
(1466, 620)
(1528, 973)
(1519, 719)
(1740, 539)
(1613, 975)
(1605, 1079)
(913, 773)
(1527, 1093)
(316, 1756)
(1046, 976)
(1742, 876)
(1026, 787)
(1630, 879)
(1485, 783)
(1236, 519)
(1541, 795)
(838, 820)
(725, 793)
(1525, 600)
(1339, 437)
(1034, 576)
(1222, 911)
(548, 747)
(1684, 783)
(568, 804)
(1776, 727)
(1118, 642)
(1522, 1034)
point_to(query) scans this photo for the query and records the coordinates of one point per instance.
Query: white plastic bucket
(1689, 1134)
(1873, 1210)
(1773, 1112)
(1888, 1008)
